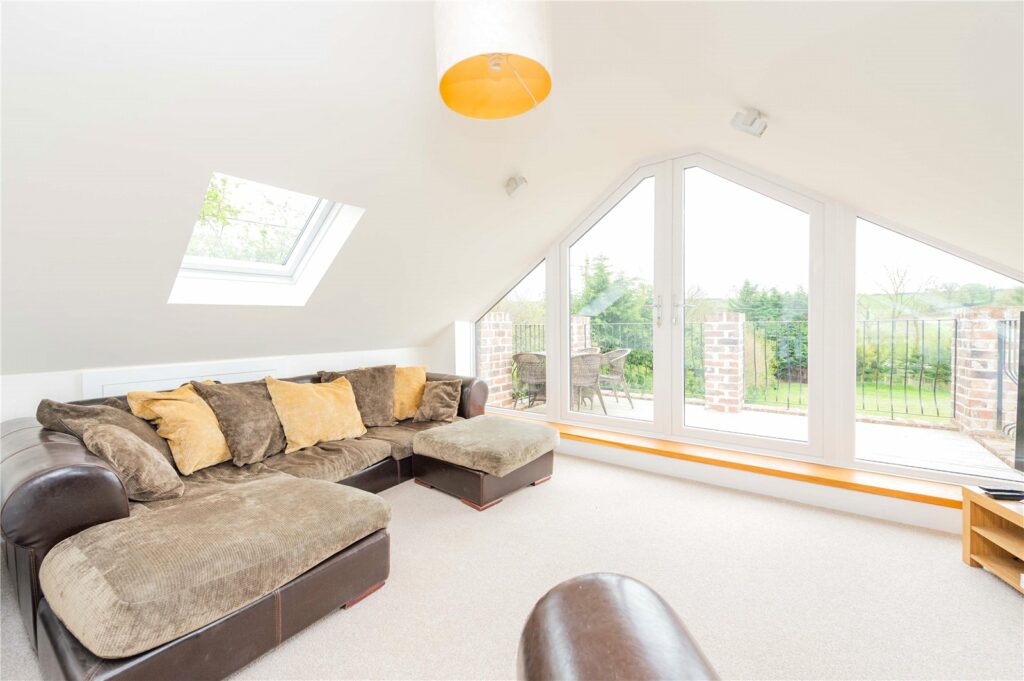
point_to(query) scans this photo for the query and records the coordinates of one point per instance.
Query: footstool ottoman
(482, 459)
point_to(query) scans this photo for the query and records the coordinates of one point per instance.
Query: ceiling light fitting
(493, 56)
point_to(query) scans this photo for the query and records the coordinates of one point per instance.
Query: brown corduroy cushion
(247, 418)
(146, 474)
(331, 461)
(440, 401)
(375, 392)
(74, 418)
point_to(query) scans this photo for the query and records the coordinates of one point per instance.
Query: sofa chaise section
(128, 586)
(225, 646)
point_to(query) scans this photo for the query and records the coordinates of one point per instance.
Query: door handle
(676, 306)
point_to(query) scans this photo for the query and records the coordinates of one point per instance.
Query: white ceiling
(114, 116)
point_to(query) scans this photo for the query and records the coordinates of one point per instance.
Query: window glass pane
(937, 344)
(249, 222)
(611, 270)
(510, 349)
(746, 277)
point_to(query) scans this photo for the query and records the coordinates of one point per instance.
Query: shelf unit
(993, 536)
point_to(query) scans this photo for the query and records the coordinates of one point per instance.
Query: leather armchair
(607, 626)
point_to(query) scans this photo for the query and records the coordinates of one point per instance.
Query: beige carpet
(770, 589)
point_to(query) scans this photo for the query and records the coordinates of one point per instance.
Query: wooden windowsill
(910, 489)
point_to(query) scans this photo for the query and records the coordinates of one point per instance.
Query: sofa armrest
(607, 626)
(474, 393)
(51, 488)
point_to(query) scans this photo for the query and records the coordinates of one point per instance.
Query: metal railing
(905, 367)
(639, 338)
(528, 337)
(775, 363)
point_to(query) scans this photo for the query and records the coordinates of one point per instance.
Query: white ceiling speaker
(493, 56)
(750, 121)
(514, 184)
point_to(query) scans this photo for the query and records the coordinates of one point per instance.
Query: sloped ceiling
(114, 116)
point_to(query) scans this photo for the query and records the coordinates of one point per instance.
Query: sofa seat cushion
(331, 461)
(130, 585)
(492, 444)
(400, 436)
(215, 479)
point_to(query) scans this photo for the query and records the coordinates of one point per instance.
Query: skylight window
(256, 244)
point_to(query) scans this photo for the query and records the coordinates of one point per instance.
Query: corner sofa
(53, 489)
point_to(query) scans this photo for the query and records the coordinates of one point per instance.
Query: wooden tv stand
(993, 536)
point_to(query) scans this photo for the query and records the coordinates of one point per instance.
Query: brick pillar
(976, 372)
(494, 349)
(723, 361)
(579, 333)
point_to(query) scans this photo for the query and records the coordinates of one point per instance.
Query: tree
(769, 305)
(266, 234)
(895, 286)
(780, 321)
(612, 297)
(217, 210)
(972, 295)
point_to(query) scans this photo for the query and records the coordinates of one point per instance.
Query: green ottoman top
(492, 444)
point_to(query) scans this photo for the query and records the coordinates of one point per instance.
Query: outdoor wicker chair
(532, 372)
(615, 360)
(586, 380)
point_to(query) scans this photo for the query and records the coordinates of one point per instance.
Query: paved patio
(925, 448)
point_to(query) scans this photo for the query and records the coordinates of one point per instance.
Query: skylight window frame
(318, 221)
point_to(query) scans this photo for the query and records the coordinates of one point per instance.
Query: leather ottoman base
(476, 488)
(230, 643)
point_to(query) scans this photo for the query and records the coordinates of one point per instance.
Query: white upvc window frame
(813, 447)
(831, 318)
(318, 220)
(560, 372)
(249, 286)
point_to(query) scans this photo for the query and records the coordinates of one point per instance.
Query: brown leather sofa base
(607, 626)
(230, 643)
(476, 488)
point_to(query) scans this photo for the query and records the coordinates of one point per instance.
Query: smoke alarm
(750, 121)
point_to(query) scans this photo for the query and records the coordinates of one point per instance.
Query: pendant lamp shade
(493, 56)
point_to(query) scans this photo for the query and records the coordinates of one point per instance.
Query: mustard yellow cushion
(188, 424)
(409, 385)
(315, 412)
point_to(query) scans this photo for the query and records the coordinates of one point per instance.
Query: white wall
(453, 349)
(20, 393)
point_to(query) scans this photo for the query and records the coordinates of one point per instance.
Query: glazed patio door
(746, 312)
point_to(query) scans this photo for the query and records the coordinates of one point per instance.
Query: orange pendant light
(493, 56)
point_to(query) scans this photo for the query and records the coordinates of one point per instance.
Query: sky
(732, 233)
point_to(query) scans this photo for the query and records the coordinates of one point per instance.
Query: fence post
(579, 334)
(723, 361)
(977, 368)
(494, 356)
